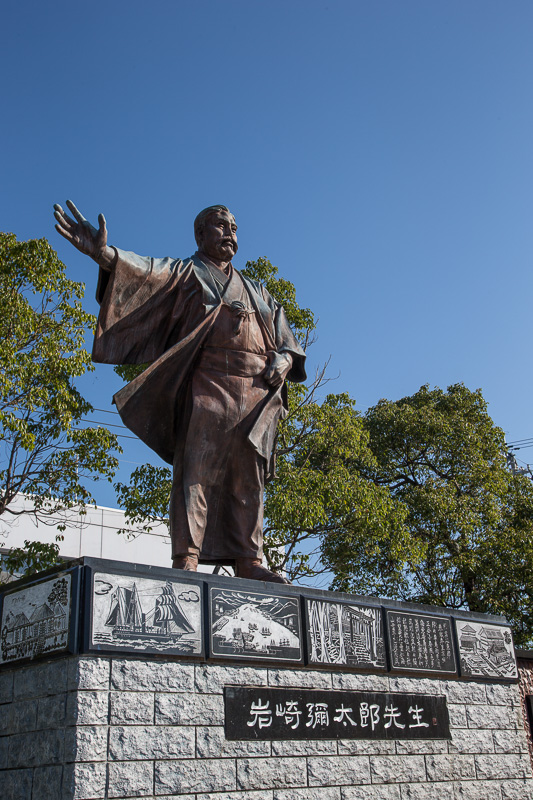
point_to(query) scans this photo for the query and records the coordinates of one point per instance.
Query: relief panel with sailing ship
(256, 625)
(137, 613)
(345, 634)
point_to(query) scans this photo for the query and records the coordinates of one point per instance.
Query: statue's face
(219, 236)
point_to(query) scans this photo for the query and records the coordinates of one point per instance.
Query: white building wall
(94, 533)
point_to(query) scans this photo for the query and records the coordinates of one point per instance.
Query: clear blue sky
(379, 153)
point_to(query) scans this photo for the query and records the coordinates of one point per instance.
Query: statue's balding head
(199, 222)
(215, 231)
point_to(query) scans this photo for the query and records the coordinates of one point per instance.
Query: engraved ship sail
(168, 616)
(166, 622)
(126, 616)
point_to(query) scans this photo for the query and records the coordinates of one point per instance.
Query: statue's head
(215, 231)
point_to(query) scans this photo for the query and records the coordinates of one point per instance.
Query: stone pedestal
(89, 727)
(92, 726)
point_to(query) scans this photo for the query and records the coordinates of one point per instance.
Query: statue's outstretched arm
(84, 236)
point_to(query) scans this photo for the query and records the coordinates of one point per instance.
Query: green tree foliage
(316, 492)
(462, 536)
(302, 320)
(145, 499)
(21, 562)
(46, 453)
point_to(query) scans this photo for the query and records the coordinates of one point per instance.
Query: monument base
(128, 681)
(91, 727)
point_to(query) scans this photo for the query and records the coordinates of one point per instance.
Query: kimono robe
(202, 403)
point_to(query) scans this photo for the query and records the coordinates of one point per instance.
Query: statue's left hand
(277, 370)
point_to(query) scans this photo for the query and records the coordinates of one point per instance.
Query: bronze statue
(219, 350)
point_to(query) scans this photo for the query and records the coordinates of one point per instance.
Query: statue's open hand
(279, 366)
(84, 236)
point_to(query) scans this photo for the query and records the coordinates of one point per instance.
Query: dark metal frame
(469, 677)
(243, 586)
(72, 645)
(120, 568)
(326, 597)
(80, 622)
(420, 671)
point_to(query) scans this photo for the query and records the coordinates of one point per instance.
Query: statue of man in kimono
(219, 349)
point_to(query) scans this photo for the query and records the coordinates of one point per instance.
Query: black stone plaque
(420, 643)
(344, 634)
(133, 609)
(255, 625)
(39, 617)
(261, 713)
(485, 650)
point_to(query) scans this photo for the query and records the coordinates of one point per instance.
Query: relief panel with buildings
(35, 620)
(485, 650)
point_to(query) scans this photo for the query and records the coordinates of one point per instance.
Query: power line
(106, 424)
(512, 463)
(118, 435)
(102, 410)
(95, 422)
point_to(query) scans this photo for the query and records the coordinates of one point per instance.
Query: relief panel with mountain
(255, 625)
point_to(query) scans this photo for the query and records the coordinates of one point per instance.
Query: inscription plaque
(262, 713)
(420, 643)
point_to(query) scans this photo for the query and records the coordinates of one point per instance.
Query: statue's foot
(253, 569)
(188, 562)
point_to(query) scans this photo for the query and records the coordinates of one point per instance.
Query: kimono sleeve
(139, 304)
(286, 341)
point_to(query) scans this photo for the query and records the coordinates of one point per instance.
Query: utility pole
(512, 463)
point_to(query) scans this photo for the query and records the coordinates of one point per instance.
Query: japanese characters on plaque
(420, 642)
(262, 713)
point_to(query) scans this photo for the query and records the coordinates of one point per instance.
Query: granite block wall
(92, 728)
(525, 672)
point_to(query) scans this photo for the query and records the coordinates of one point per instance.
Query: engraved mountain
(256, 626)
